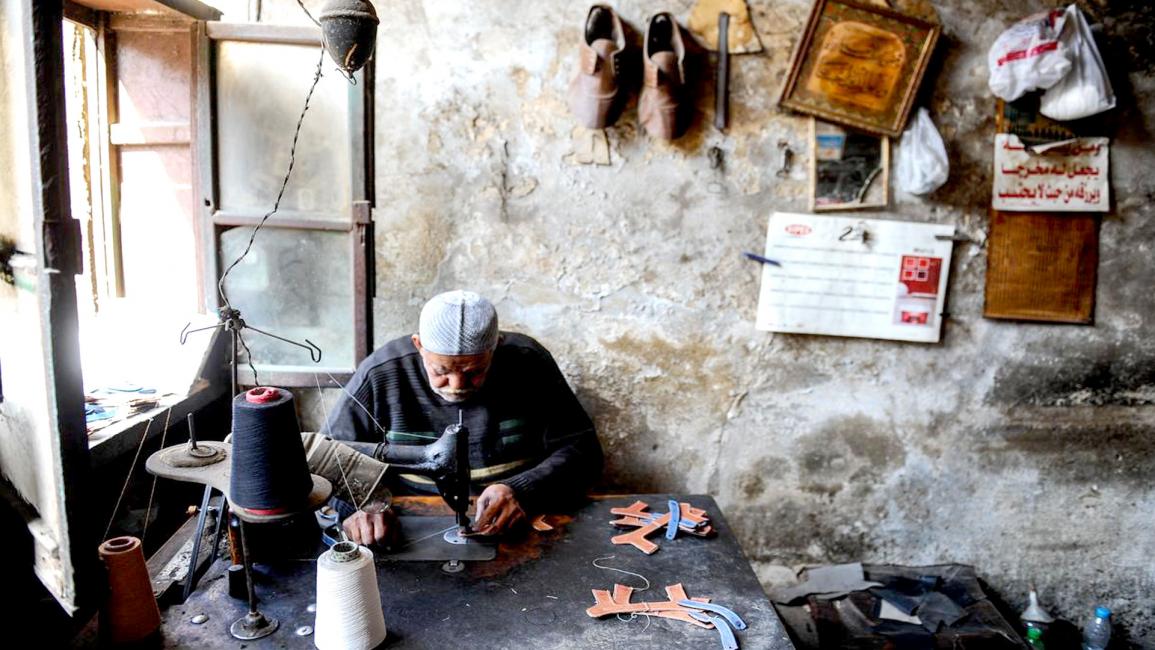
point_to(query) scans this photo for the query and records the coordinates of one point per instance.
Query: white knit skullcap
(458, 323)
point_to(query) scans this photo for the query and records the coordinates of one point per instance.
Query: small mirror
(848, 169)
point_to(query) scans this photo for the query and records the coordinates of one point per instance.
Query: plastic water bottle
(1097, 633)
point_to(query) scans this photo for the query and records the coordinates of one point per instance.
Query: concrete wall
(1025, 450)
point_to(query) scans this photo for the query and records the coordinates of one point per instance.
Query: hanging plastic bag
(1085, 90)
(921, 164)
(1029, 55)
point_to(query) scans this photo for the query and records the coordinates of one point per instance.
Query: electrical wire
(302, 5)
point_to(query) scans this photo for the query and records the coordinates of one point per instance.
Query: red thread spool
(130, 614)
(262, 395)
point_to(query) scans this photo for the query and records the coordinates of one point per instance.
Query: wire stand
(232, 322)
(255, 625)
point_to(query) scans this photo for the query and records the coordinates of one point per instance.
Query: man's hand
(498, 510)
(372, 524)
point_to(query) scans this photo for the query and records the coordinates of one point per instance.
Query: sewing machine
(446, 461)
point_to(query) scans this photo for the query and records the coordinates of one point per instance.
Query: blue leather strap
(729, 641)
(675, 519)
(727, 613)
(685, 523)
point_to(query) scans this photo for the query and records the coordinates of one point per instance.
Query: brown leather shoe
(596, 93)
(663, 92)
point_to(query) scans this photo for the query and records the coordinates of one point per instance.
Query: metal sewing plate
(422, 540)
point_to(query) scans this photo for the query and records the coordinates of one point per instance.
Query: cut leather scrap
(690, 519)
(619, 603)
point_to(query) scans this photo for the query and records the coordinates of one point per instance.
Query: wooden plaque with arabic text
(1041, 266)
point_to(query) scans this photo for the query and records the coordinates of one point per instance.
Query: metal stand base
(253, 625)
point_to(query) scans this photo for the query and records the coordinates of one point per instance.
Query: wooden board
(1042, 267)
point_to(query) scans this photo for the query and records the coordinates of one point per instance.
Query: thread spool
(130, 614)
(349, 614)
(269, 471)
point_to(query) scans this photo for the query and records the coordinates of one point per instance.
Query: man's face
(454, 378)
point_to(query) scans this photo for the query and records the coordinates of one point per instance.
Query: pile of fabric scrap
(892, 607)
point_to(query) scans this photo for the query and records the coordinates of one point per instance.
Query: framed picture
(859, 65)
(848, 169)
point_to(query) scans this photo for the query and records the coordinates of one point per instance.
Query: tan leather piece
(595, 94)
(661, 105)
(638, 514)
(606, 604)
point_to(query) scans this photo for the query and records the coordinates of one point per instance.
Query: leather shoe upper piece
(660, 106)
(595, 93)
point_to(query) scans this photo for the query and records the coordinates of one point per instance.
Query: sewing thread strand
(631, 573)
(356, 401)
(152, 492)
(127, 479)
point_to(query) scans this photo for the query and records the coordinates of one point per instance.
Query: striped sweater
(526, 427)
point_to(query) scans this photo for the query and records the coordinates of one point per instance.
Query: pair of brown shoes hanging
(598, 92)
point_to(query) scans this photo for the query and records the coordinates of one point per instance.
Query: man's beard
(450, 395)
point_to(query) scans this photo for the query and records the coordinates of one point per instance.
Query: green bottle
(1035, 638)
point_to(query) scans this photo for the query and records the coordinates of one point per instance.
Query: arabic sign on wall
(1067, 176)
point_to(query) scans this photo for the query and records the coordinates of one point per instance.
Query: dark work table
(533, 595)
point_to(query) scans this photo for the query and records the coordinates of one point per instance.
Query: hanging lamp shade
(350, 31)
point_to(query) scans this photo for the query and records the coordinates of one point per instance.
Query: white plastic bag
(1085, 90)
(1029, 55)
(921, 164)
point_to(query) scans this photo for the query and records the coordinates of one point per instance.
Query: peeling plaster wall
(1025, 450)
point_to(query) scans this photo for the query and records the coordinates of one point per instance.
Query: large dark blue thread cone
(269, 471)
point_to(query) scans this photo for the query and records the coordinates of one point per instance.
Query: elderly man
(531, 444)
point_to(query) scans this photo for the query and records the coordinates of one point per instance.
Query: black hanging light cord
(306, 10)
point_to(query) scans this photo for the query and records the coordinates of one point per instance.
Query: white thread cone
(349, 615)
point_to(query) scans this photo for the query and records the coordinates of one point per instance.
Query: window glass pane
(261, 89)
(295, 284)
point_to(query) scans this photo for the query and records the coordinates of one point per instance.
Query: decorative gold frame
(876, 55)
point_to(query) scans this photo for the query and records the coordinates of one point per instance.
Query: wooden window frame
(214, 222)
